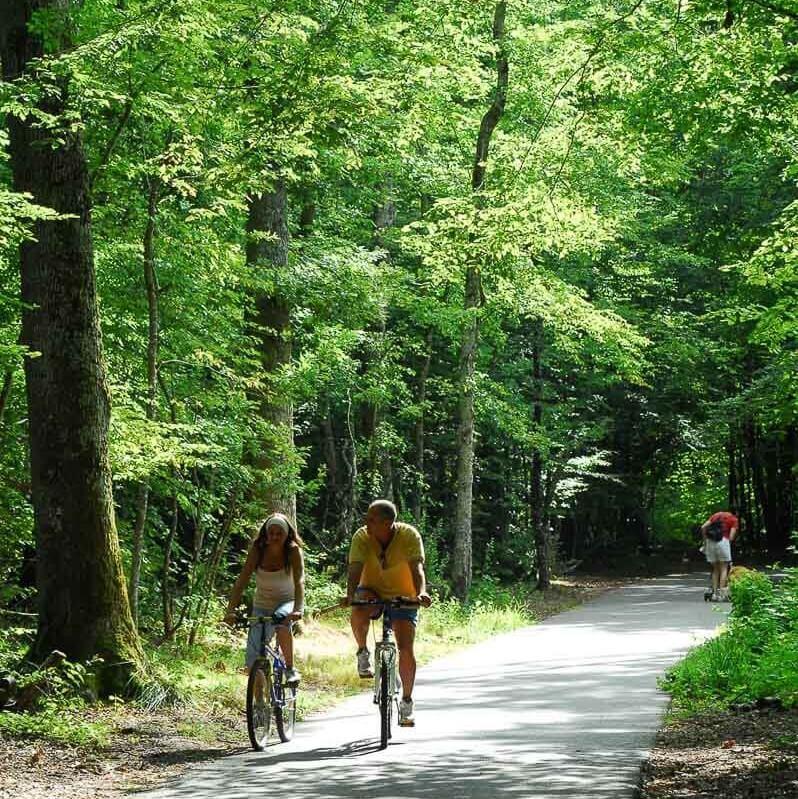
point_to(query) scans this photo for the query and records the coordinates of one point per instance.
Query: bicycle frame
(271, 654)
(386, 649)
(386, 686)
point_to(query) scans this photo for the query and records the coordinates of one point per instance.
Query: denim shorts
(253, 639)
(396, 614)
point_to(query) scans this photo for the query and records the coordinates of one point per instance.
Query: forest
(530, 270)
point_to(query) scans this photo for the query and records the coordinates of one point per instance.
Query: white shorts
(718, 551)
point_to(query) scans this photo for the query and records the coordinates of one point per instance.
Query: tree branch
(776, 9)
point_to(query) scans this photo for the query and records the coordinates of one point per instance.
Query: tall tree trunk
(83, 603)
(421, 398)
(461, 565)
(208, 583)
(5, 391)
(167, 598)
(331, 493)
(536, 494)
(268, 214)
(380, 462)
(153, 322)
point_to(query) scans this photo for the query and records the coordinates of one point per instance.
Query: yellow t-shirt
(394, 578)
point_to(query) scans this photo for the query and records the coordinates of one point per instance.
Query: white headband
(280, 521)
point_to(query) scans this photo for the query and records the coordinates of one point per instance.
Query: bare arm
(298, 570)
(732, 534)
(353, 580)
(420, 582)
(241, 583)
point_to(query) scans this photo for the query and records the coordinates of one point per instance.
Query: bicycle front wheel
(285, 712)
(259, 709)
(386, 700)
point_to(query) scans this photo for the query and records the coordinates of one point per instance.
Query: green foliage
(60, 696)
(753, 658)
(55, 722)
(636, 234)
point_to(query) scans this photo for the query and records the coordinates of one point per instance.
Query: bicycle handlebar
(244, 620)
(394, 602)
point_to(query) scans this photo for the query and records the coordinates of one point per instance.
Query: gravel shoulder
(751, 754)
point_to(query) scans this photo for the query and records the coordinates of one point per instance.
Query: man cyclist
(386, 560)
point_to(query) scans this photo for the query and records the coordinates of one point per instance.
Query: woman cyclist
(275, 557)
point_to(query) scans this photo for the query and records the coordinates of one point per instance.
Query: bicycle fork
(386, 650)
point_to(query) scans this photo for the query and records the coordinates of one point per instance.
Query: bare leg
(405, 634)
(360, 625)
(286, 640)
(724, 574)
(716, 576)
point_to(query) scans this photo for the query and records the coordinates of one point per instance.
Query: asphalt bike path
(566, 708)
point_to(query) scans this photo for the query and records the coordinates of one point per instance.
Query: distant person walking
(718, 531)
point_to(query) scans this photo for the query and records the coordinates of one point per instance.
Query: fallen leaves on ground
(752, 754)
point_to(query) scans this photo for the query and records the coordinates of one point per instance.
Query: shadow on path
(567, 708)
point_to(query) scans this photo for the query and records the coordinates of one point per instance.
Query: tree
(461, 567)
(83, 605)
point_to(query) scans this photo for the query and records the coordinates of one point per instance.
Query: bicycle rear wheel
(386, 700)
(285, 712)
(259, 709)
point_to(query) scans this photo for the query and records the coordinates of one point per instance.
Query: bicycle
(269, 668)
(387, 683)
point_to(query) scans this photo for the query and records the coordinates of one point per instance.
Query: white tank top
(273, 588)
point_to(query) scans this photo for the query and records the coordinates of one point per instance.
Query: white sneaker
(292, 676)
(364, 668)
(406, 717)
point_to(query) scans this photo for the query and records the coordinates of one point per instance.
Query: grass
(66, 725)
(205, 683)
(755, 656)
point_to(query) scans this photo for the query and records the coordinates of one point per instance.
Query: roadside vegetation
(733, 726)
(205, 682)
(754, 659)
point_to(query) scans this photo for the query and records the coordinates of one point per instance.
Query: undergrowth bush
(754, 657)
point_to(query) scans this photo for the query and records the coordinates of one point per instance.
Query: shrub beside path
(567, 708)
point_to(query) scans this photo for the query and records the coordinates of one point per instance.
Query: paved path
(567, 708)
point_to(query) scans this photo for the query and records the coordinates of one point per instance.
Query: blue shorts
(253, 639)
(394, 614)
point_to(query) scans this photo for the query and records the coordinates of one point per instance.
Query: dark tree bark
(268, 213)
(83, 604)
(380, 465)
(536, 494)
(153, 324)
(461, 563)
(421, 398)
(5, 392)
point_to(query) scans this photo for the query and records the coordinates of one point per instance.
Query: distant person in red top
(719, 530)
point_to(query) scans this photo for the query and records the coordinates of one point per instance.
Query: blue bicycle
(271, 701)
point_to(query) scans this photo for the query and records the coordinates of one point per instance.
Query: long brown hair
(292, 541)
